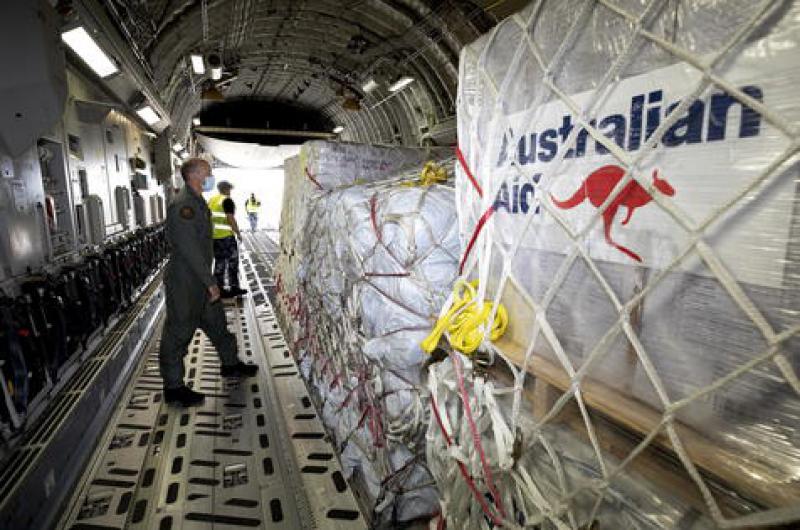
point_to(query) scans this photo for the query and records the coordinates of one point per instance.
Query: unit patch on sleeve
(187, 212)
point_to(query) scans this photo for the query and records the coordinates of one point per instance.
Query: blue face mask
(208, 184)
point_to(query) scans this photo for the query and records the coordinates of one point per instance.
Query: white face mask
(208, 184)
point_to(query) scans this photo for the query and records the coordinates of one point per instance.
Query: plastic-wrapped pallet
(629, 190)
(286, 262)
(373, 277)
(323, 166)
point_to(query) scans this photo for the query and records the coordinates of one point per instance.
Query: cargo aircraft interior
(399, 264)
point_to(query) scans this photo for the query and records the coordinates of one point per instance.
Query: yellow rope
(432, 173)
(465, 319)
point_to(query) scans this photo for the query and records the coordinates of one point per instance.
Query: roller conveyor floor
(254, 455)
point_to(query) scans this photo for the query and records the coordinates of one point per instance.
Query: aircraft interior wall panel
(76, 169)
(94, 164)
(91, 156)
(32, 87)
(79, 87)
(22, 237)
(139, 145)
(73, 136)
(23, 242)
(95, 161)
(57, 186)
(116, 158)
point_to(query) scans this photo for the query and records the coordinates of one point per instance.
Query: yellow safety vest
(219, 218)
(252, 206)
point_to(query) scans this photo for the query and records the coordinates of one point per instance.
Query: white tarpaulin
(246, 154)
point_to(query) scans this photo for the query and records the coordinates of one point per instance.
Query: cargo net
(597, 438)
(375, 265)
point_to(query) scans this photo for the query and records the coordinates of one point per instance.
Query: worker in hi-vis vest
(226, 248)
(252, 206)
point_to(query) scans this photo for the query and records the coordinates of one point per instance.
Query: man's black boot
(239, 369)
(184, 396)
(233, 292)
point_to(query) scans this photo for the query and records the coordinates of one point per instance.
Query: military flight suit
(187, 279)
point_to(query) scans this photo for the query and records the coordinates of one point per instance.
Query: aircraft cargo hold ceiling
(383, 70)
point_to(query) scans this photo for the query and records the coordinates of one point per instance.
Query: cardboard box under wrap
(709, 232)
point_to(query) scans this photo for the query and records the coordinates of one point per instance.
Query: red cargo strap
(348, 397)
(373, 215)
(476, 437)
(375, 426)
(465, 167)
(311, 177)
(482, 221)
(464, 473)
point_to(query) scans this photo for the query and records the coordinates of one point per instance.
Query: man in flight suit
(193, 296)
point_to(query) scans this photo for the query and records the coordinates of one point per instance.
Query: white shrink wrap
(323, 166)
(371, 265)
(287, 260)
(320, 167)
(629, 190)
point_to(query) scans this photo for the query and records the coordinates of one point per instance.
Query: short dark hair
(191, 166)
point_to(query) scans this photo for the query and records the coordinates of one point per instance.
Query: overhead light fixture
(196, 121)
(216, 73)
(148, 115)
(401, 83)
(184, 155)
(177, 147)
(197, 64)
(338, 129)
(369, 86)
(87, 49)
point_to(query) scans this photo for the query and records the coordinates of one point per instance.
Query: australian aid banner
(715, 149)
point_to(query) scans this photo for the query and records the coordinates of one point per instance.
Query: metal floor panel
(254, 455)
(333, 504)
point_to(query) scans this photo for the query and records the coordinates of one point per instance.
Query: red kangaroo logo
(598, 186)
